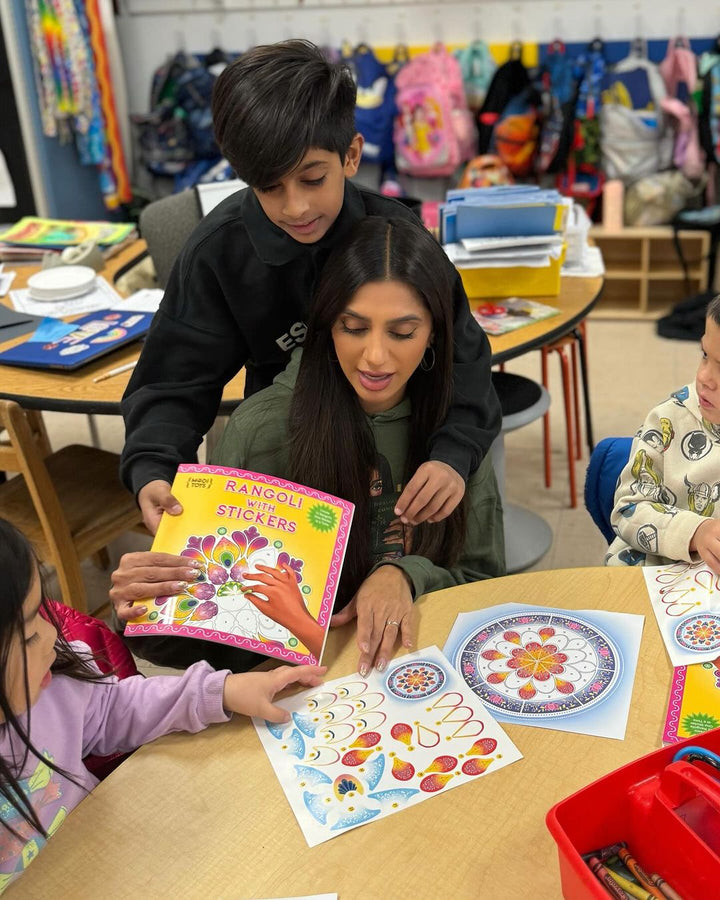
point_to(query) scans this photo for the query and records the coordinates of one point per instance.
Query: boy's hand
(252, 693)
(154, 498)
(431, 494)
(148, 574)
(385, 612)
(706, 542)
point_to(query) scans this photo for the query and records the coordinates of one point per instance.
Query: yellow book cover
(270, 554)
(694, 705)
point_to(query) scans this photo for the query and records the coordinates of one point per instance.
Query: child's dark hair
(713, 310)
(277, 101)
(331, 444)
(20, 567)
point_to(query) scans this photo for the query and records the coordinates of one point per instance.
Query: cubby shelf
(643, 273)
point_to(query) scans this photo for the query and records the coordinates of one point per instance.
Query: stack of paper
(504, 211)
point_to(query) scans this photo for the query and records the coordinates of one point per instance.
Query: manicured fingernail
(141, 610)
(363, 670)
(179, 585)
(397, 511)
(194, 563)
(365, 648)
(407, 643)
(381, 663)
(194, 575)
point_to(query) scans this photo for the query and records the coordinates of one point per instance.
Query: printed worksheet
(552, 668)
(357, 749)
(685, 598)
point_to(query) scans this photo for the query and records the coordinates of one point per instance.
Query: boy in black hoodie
(240, 290)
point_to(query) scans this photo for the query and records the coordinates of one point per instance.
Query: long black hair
(20, 567)
(331, 442)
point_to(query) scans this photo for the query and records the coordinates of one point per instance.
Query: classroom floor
(631, 369)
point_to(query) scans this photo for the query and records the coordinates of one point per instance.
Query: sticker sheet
(357, 749)
(552, 668)
(685, 598)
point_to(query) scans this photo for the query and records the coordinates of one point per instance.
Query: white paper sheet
(358, 749)
(685, 598)
(102, 296)
(551, 668)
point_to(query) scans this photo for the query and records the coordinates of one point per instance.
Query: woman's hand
(252, 693)
(431, 494)
(140, 576)
(285, 605)
(154, 499)
(385, 612)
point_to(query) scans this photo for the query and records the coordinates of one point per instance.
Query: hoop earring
(424, 364)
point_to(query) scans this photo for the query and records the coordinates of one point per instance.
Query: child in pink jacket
(56, 708)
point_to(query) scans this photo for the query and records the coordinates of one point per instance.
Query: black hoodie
(238, 295)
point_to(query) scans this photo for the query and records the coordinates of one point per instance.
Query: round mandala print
(700, 632)
(541, 665)
(417, 679)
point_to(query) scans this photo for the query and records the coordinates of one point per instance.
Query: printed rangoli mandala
(700, 632)
(531, 665)
(419, 679)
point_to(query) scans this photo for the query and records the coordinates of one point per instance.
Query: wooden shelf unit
(643, 274)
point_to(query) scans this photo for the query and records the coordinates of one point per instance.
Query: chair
(576, 341)
(167, 223)
(527, 535)
(607, 461)
(69, 504)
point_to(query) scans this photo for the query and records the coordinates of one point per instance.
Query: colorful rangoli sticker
(699, 632)
(544, 665)
(417, 679)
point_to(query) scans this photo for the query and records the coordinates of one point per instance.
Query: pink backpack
(434, 131)
(679, 72)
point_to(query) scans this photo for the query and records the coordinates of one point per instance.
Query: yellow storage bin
(513, 281)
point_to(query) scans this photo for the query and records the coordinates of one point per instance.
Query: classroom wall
(147, 36)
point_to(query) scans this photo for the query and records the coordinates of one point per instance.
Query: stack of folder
(505, 241)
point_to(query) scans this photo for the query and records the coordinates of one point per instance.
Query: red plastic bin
(668, 814)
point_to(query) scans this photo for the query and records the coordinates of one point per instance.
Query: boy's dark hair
(277, 101)
(713, 310)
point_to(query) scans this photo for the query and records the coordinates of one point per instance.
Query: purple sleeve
(123, 715)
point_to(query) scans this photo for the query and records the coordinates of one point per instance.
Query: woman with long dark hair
(352, 416)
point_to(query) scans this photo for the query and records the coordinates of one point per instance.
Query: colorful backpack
(477, 67)
(679, 71)
(434, 131)
(635, 138)
(515, 135)
(558, 91)
(509, 80)
(375, 105)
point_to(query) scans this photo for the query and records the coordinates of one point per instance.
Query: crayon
(605, 852)
(640, 874)
(630, 887)
(667, 891)
(605, 878)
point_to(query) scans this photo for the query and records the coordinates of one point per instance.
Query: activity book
(270, 554)
(32, 231)
(499, 318)
(92, 336)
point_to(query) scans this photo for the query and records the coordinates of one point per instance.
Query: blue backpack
(375, 105)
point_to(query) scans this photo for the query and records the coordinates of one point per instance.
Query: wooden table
(203, 816)
(576, 299)
(76, 391)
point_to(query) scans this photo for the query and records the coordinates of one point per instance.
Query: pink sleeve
(123, 715)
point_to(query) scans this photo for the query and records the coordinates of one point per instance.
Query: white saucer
(61, 282)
